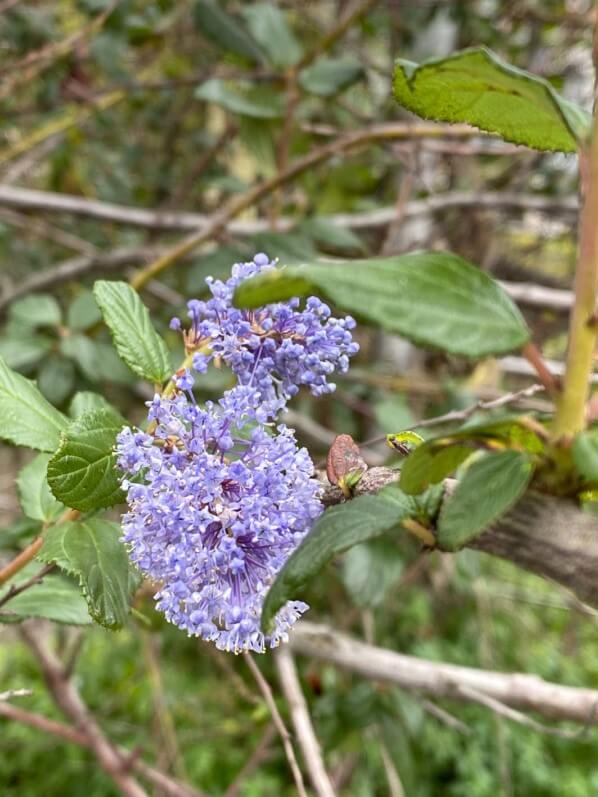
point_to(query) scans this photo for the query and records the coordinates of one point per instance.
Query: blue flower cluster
(219, 495)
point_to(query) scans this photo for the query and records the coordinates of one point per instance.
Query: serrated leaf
(328, 76)
(257, 104)
(24, 351)
(56, 598)
(488, 489)
(37, 502)
(56, 378)
(370, 570)
(83, 472)
(268, 26)
(26, 418)
(477, 87)
(435, 299)
(83, 312)
(36, 310)
(338, 529)
(585, 454)
(86, 401)
(136, 340)
(223, 29)
(92, 551)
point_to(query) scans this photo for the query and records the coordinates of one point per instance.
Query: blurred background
(126, 125)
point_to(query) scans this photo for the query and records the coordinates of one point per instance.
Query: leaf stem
(31, 551)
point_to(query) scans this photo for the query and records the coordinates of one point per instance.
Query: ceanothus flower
(276, 348)
(219, 495)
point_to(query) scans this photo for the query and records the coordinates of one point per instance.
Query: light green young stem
(583, 330)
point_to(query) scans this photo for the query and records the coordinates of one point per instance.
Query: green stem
(570, 415)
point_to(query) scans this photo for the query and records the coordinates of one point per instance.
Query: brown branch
(19, 562)
(545, 535)
(171, 220)
(168, 786)
(70, 703)
(304, 731)
(336, 33)
(219, 220)
(534, 357)
(253, 762)
(279, 722)
(36, 579)
(458, 416)
(519, 691)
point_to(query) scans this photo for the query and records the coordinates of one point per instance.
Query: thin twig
(457, 416)
(183, 221)
(11, 693)
(517, 716)
(169, 786)
(304, 731)
(336, 33)
(279, 722)
(236, 204)
(534, 357)
(36, 579)
(253, 762)
(69, 701)
(19, 562)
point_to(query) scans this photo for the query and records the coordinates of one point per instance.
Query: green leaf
(328, 76)
(98, 361)
(332, 236)
(136, 340)
(36, 310)
(479, 88)
(92, 551)
(585, 454)
(488, 489)
(430, 463)
(86, 401)
(83, 472)
(435, 299)
(222, 29)
(338, 529)
(83, 311)
(268, 26)
(37, 502)
(370, 570)
(56, 378)
(56, 598)
(18, 533)
(24, 351)
(26, 418)
(257, 104)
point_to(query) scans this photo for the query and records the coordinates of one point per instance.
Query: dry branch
(180, 221)
(167, 785)
(304, 731)
(440, 680)
(545, 535)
